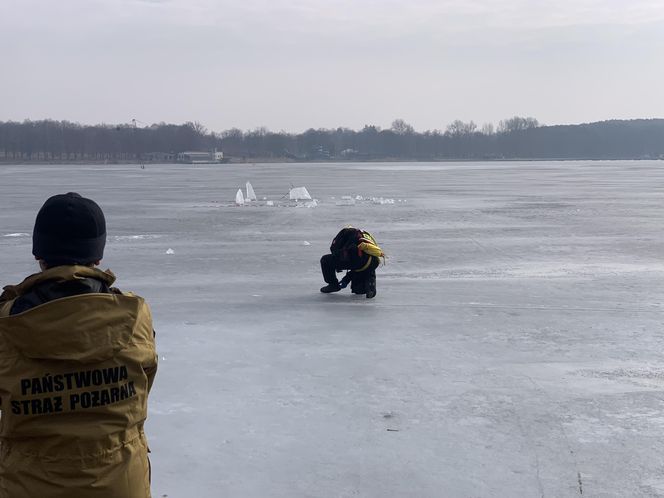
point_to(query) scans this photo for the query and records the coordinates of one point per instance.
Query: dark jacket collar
(56, 283)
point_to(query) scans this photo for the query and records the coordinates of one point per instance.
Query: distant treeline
(514, 138)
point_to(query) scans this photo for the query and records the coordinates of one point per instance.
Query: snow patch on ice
(653, 377)
(529, 271)
(346, 200)
(135, 237)
(157, 408)
(349, 200)
(655, 485)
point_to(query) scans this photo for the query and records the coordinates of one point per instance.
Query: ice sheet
(513, 349)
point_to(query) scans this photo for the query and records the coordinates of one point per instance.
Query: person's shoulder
(6, 307)
(8, 294)
(131, 295)
(137, 303)
(109, 278)
(11, 292)
(125, 293)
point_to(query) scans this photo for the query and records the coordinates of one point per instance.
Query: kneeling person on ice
(77, 361)
(356, 251)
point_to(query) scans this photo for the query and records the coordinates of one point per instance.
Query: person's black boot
(330, 288)
(358, 285)
(371, 288)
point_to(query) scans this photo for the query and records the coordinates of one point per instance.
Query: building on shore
(164, 157)
(200, 157)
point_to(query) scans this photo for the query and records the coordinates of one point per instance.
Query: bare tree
(458, 128)
(400, 127)
(517, 123)
(487, 129)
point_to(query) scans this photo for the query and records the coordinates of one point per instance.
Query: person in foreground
(77, 361)
(356, 251)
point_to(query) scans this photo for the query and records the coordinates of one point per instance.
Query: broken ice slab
(299, 193)
(251, 195)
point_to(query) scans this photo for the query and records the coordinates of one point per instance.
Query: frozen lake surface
(514, 348)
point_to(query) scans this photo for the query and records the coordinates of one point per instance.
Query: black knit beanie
(69, 229)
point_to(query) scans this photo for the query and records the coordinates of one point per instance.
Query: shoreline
(264, 160)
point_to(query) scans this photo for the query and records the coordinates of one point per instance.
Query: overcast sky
(291, 65)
